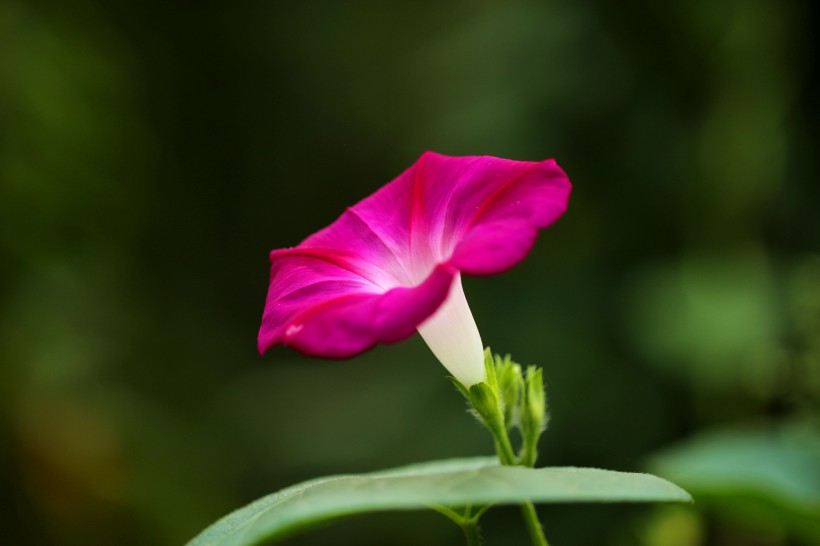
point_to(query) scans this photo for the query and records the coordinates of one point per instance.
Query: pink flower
(392, 263)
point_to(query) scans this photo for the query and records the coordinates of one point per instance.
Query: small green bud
(509, 398)
(533, 415)
(510, 385)
(535, 395)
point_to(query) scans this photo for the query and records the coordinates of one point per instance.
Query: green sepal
(485, 402)
(489, 370)
(460, 387)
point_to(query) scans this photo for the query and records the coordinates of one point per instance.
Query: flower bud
(533, 415)
(510, 385)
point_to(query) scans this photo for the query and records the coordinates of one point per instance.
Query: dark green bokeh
(151, 154)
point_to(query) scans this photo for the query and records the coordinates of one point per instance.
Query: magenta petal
(489, 220)
(494, 247)
(386, 265)
(350, 321)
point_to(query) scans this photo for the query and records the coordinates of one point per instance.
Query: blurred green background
(152, 153)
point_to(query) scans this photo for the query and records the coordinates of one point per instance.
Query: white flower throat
(452, 335)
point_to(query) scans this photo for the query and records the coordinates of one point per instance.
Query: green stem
(468, 524)
(529, 453)
(507, 457)
(470, 528)
(504, 449)
(533, 525)
(449, 513)
(481, 511)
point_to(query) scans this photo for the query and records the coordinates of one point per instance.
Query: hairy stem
(533, 525)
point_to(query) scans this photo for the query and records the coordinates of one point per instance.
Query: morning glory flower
(392, 263)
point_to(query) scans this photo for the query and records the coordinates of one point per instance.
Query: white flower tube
(452, 335)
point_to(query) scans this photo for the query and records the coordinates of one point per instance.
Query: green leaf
(455, 482)
(761, 475)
